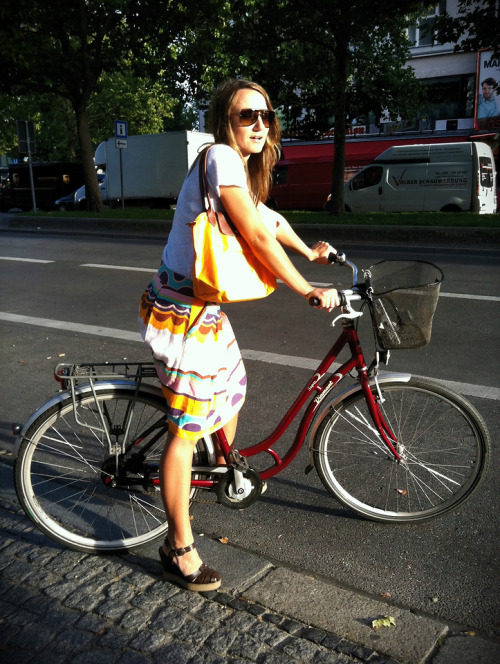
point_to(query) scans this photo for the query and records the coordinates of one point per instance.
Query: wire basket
(404, 298)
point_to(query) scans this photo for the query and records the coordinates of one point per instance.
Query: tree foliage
(70, 48)
(475, 27)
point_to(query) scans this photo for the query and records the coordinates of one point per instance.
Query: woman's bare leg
(230, 431)
(175, 484)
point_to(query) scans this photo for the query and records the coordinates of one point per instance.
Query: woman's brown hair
(260, 165)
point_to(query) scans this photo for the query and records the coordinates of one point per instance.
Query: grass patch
(464, 219)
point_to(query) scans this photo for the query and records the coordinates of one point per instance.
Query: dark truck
(52, 180)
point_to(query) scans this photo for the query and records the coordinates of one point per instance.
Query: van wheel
(450, 208)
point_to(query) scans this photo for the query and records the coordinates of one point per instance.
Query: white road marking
(120, 267)
(466, 389)
(25, 260)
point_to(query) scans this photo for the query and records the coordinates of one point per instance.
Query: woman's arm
(287, 237)
(243, 213)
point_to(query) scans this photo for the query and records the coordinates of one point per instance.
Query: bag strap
(202, 174)
(225, 225)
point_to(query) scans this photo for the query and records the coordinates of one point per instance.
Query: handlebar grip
(314, 301)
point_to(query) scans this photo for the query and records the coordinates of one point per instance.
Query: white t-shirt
(224, 168)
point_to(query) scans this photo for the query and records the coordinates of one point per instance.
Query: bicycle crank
(238, 489)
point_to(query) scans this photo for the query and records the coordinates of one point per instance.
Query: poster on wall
(487, 91)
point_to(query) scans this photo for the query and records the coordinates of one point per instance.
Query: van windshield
(367, 178)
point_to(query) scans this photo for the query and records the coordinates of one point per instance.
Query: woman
(196, 356)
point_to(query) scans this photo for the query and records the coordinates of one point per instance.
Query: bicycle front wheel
(442, 441)
(84, 495)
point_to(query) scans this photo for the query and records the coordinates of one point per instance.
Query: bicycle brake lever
(350, 314)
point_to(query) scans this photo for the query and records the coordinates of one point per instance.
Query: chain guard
(226, 489)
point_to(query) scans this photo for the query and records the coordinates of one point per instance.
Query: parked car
(76, 200)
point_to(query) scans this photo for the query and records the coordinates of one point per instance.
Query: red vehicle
(303, 177)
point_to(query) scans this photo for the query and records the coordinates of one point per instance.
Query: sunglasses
(249, 116)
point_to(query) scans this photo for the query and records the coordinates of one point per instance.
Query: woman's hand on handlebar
(320, 252)
(324, 298)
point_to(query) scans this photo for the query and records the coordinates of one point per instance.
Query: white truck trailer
(151, 168)
(447, 177)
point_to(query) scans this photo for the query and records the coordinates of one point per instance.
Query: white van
(446, 177)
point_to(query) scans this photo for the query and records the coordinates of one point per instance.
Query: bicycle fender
(80, 390)
(383, 378)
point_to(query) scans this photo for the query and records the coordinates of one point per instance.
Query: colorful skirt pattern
(196, 356)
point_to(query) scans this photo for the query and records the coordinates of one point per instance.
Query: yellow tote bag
(225, 268)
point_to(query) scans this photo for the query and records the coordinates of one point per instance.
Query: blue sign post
(121, 135)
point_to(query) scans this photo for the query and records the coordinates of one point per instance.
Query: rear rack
(69, 376)
(92, 372)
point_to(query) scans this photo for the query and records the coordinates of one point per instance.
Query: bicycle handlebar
(345, 296)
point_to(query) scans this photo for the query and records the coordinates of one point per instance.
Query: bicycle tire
(442, 440)
(63, 472)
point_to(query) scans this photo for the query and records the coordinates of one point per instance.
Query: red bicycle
(391, 447)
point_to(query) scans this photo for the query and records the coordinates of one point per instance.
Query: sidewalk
(60, 606)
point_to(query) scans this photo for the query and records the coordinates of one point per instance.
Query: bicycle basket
(404, 298)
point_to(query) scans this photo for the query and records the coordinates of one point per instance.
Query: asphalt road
(447, 567)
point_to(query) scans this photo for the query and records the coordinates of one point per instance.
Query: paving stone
(90, 622)
(301, 649)
(140, 580)
(72, 642)
(19, 571)
(291, 626)
(175, 653)
(245, 646)
(314, 635)
(328, 657)
(112, 610)
(33, 636)
(134, 620)
(84, 599)
(267, 633)
(113, 639)
(211, 612)
(132, 657)
(146, 602)
(149, 641)
(240, 621)
(187, 600)
(220, 641)
(93, 656)
(206, 657)
(121, 591)
(275, 658)
(194, 631)
(169, 619)
(60, 590)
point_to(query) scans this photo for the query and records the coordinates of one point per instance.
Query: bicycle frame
(348, 337)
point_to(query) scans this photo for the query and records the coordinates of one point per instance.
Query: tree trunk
(92, 195)
(336, 206)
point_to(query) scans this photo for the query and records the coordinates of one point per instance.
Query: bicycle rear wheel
(79, 494)
(442, 440)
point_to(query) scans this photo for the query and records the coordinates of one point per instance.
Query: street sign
(121, 143)
(121, 130)
(26, 137)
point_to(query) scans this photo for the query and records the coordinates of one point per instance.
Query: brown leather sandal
(202, 580)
